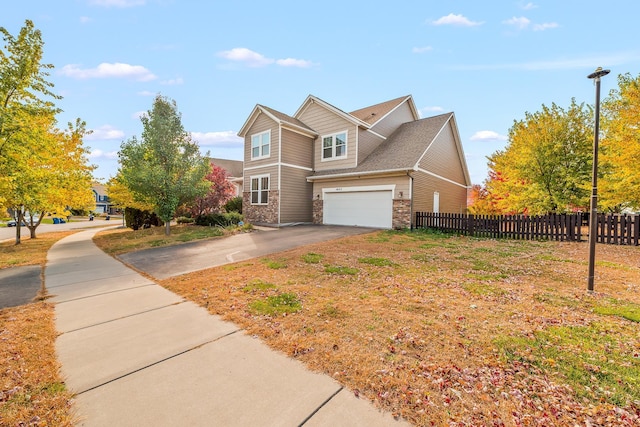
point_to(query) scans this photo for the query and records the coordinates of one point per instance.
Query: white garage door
(361, 208)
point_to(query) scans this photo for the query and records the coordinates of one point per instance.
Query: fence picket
(610, 228)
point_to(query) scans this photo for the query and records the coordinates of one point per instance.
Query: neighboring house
(102, 200)
(233, 168)
(372, 167)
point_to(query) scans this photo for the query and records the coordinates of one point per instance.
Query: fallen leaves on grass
(31, 390)
(30, 251)
(442, 332)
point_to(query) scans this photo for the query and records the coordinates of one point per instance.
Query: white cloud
(172, 82)
(226, 138)
(545, 26)
(85, 19)
(99, 154)
(105, 132)
(107, 70)
(487, 135)
(249, 57)
(422, 49)
(425, 111)
(255, 59)
(457, 20)
(146, 93)
(529, 6)
(521, 23)
(291, 62)
(117, 3)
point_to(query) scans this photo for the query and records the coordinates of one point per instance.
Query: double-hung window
(260, 145)
(334, 146)
(260, 190)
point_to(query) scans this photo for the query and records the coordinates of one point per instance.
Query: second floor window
(260, 145)
(334, 146)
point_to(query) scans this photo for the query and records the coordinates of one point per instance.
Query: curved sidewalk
(137, 354)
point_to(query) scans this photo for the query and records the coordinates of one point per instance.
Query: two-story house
(372, 167)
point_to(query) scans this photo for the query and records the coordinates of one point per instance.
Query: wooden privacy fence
(612, 229)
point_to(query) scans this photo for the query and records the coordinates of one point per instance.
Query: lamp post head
(599, 72)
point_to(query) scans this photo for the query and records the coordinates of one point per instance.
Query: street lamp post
(593, 220)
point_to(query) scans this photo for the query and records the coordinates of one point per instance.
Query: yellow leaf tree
(546, 165)
(42, 169)
(619, 186)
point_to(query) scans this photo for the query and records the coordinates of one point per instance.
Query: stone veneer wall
(401, 214)
(317, 211)
(261, 214)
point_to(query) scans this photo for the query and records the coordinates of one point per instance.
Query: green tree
(619, 185)
(22, 83)
(546, 166)
(42, 169)
(165, 168)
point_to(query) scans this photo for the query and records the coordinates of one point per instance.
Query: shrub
(136, 219)
(234, 205)
(185, 220)
(218, 219)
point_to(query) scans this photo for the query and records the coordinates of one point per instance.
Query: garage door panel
(361, 208)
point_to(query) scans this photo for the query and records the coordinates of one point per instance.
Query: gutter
(364, 173)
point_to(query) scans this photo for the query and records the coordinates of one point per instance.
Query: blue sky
(487, 61)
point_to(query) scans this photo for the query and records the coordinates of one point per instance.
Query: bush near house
(218, 219)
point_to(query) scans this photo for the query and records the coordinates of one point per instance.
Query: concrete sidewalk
(139, 355)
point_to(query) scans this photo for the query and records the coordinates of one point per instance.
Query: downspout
(410, 200)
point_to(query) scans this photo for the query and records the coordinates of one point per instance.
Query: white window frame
(259, 191)
(261, 145)
(333, 146)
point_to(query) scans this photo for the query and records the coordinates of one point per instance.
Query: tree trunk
(18, 231)
(167, 228)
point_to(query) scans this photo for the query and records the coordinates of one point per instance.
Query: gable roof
(281, 118)
(402, 151)
(348, 117)
(234, 168)
(377, 112)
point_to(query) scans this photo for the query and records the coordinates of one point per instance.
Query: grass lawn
(123, 240)
(31, 390)
(446, 330)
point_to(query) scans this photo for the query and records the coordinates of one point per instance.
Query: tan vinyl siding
(367, 142)
(297, 149)
(295, 196)
(442, 157)
(262, 124)
(402, 183)
(453, 198)
(270, 170)
(390, 123)
(326, 122)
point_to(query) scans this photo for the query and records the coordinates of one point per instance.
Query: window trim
(261, 146)
(260, 191)
(333, 146)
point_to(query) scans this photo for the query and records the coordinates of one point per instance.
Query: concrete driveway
(162, 263)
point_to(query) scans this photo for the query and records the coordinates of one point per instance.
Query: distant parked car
(14, 223)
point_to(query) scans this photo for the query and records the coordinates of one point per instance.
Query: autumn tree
(220, 192)
(619, 184)
(42, 169)
(481, 202)
(164, 168)
(546, 165)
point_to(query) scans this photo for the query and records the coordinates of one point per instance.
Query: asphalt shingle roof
(285, 118)
(234, 168)
(375, 112)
